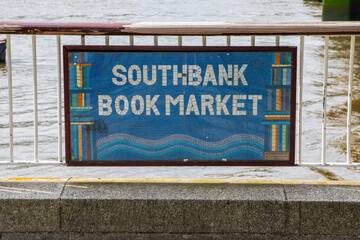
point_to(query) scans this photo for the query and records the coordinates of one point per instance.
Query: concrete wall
(120, 210)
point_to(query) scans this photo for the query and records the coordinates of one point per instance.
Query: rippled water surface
(165, 10)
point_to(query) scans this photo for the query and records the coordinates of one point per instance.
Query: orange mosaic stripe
(280, 118)
(277, 58)
(80, 64)
(81, 100)
(276, 137)
(80, 141)
(278, 99)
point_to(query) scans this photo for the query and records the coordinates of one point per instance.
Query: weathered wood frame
(181, 162)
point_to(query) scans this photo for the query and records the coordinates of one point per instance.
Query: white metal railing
(300, 100)
(187, 29)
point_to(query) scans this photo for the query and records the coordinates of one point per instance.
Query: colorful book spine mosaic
(82, 121)
(277, 117)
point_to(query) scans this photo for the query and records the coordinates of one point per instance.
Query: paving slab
(282, 173)
(173, 191)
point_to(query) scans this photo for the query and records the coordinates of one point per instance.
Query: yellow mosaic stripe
(79, 76)
(278, 99)
(273, 138)
(281, 65)
(82, 123)
(284, 131)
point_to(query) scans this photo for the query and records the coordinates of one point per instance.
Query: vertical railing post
(156, 40)
(58, 44)
(324, 110)
(204, 41)
(179, 40)
(82, 39)
(107, 40)
(252, 41)
(277, 41)
(131, 40)
(301, 77)
(348, 126)
(36, 128)
(228, 41)
(11, 117)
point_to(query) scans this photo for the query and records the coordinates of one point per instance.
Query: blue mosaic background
(172, 137)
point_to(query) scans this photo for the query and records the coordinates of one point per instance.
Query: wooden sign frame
(279, 88)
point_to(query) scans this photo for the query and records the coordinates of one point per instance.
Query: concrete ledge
(98, 209)
(172, 236)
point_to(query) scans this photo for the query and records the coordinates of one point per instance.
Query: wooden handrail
(181, 28)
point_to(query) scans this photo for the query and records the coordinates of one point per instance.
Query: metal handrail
(181, 28)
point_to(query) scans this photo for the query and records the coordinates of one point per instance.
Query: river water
(161, 10)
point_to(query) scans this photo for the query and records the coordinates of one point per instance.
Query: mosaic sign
(180, 105)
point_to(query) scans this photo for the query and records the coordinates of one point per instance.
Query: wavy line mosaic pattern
(183, 145)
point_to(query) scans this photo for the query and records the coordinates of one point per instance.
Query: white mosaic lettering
(117, 105)
(106, 105)
(255, 99)
(117, 74)
(240, 74)
(221, 104)
(194, 72)
(133, 105)
(223, 75)
(150, 104)
(237, 105)
(177, 75)
(207, 101)
(192, 106)
(209, 75)
(153, 74)
(133, 68)
(179, 99)
(164, 69)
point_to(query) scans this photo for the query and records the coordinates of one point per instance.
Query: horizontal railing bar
(54, 162)
(329, 164)
(182, 28)
(41, 163)
(207, 35)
